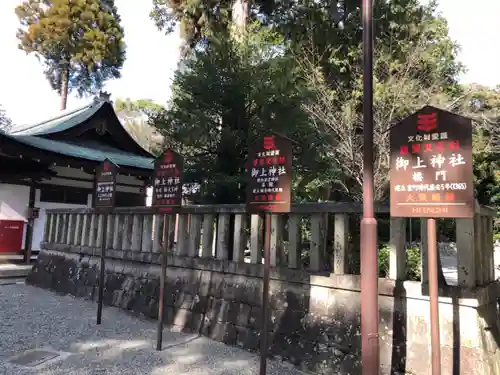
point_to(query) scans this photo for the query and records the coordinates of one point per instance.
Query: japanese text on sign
(270, 175)
(105, 189)
(431, 166)
(167, 184)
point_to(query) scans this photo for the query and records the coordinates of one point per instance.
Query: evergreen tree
(80, 42)
(227, 95)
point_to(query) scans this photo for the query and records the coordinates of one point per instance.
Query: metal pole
(432, 254)
(368, 245)
(163, 276)
(103, 265)
(265, 295)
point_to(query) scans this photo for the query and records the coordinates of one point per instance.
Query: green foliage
(80, 42)
(299, 72)
(413, 263)
(224, 97)
(5, 122)
(414, 65)
(197, 19)
(146, 107)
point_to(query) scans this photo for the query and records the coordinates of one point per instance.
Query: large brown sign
(431, 166)
(105, 186)
(269, 175)
(167, 185)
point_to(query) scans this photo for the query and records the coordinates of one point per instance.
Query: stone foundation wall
(314, 321)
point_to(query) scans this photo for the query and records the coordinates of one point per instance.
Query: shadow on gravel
(32, 318)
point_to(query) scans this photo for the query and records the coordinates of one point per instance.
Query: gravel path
(32, 318)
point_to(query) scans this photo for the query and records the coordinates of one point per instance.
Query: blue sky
(152, 57)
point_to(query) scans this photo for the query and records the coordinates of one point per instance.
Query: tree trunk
(239, 14)
(64, 88)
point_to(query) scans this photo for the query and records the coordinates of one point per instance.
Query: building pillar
(28, 239)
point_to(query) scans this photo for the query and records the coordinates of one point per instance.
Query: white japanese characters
(268, 153)
(431, 187)
(436, 161)
(104, 190)
(274, 170)
(167, 185)
(428, 137)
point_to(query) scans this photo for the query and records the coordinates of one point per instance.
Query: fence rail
(315, 236)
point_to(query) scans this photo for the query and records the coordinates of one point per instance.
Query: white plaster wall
(149, 196)
(15, 198)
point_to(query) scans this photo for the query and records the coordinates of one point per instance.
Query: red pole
(369, 253)
(432, 256)
(265, 295)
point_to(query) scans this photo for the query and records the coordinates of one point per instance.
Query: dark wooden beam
(15, 148)
(28, 239)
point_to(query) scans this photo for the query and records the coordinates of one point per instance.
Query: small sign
(269, 175)
(431, 166)
(167, 184)
(105, 187)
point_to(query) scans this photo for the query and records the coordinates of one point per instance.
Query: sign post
(268, 192)
(167, 200)
(431, 176)
(104, 203)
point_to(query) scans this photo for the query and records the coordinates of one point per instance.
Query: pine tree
(80, 42)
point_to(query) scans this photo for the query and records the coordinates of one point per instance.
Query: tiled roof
(33, 135)
(89, 151)
(64, 121)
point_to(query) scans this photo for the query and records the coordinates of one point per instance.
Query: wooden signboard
(167, 183)
(105, 186)
(431, 166)
(269, 175)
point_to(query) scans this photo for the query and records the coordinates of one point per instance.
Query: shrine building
(52, 165)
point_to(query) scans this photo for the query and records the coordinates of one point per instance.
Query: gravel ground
(32, 318)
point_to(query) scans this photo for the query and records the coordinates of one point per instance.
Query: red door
(11, 236)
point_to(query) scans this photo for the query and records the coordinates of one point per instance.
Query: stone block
(224, 332)
(214, 309)
(248, 338)
(292, 323)
(153, 309)
(273, 316)
(217, 285)
(243, 316)
(314, 320)
(181, 317)
(200, 304)
(183, 301)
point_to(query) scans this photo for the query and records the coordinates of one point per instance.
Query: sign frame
(431, 166)
(272, 156)
(106, 166)
(168, 161)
